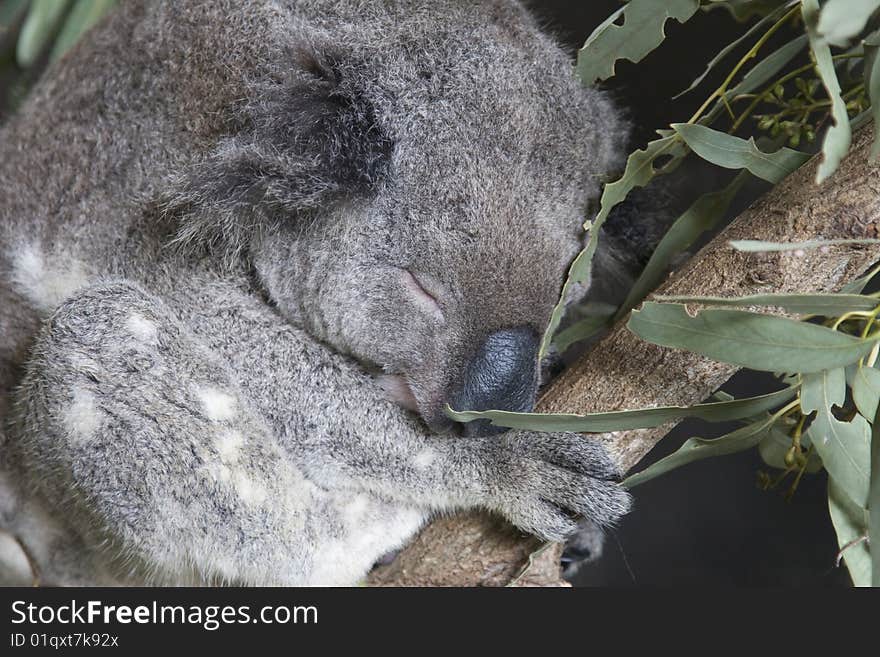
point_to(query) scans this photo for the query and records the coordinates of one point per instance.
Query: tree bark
(622, 372)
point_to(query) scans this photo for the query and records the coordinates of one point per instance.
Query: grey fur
(207, 213)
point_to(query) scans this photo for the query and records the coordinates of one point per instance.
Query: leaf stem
(751, 54)
(759, 98)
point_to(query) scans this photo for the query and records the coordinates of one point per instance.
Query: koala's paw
(545, 481)
(584, 546)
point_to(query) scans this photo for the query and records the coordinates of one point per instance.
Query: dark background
(708, 523)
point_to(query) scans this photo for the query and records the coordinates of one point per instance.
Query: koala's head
(411, 188)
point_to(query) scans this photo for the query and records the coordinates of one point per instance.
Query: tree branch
(622, 372)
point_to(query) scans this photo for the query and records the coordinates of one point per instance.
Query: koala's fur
(207, 216)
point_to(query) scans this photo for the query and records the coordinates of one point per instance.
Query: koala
(250, 254)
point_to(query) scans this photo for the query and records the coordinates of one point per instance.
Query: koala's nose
(502, 375)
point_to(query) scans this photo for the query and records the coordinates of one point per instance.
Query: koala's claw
(547, 480)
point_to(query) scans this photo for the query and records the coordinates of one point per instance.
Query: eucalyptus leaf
(757, 76)
(858, 286)
(702, 216)
(657, 158)
(874, 503)
(42, 20)
(844, 447)
(769, 66)
(842, 20)
(872, 85)
(743, 10)
(643, 29)
(758, 246)
(760, 342)
(866, 391)
(730, 47)
(822, 390)
(851, 525)
(583, 329)
(644, 418)
(696, 449)
(83, 15)
(827, 305)
(732, 152)
(775, 445)
(838, 137)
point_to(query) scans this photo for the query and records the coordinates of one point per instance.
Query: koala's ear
(307, 138)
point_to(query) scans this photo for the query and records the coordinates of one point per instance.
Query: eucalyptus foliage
(34, 33)
(774, 109)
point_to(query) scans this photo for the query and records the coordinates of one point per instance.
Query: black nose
(502, 375)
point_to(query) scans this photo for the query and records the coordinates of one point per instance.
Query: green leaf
(872, 85)
(85, 14)
(775, 445)
(760, 342)
(583, 329)
(41, 21)
(838, 137)
(696, 449)
(758, 246)
(842, 20)
(851, 525)
(757, 76)
(641, 167)
(702, 216)
(732, 152)
(642, 31)
(827, 305)
(874, 504)
(822, 390)
(742, 10)
(858, 286)
(729, 48)
(768, 67)
(866, 391)
(644, 418)
(844, 447)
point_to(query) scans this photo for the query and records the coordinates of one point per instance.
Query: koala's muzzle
(502, 375)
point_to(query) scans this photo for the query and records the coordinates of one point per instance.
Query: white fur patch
(228, 445)
(296, 496)
(249, 490)
(348, 558)
(83, 364)
(425, 458)
(354, 510)
(45, 284)
(38, 531)
(82, 418)
(15, 569)
(218, 405)
(220, 472)
(142, 328)
(8, 496)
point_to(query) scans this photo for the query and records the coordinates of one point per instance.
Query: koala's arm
(342, 431)
(138, 434)
(196, 431)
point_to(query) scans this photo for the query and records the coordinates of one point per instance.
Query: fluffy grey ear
(308, 138)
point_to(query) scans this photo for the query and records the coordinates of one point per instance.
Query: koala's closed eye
(424, 292)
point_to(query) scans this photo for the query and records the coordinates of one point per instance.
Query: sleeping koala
(250, 252)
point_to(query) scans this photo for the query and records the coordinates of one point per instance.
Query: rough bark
(622, 372)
